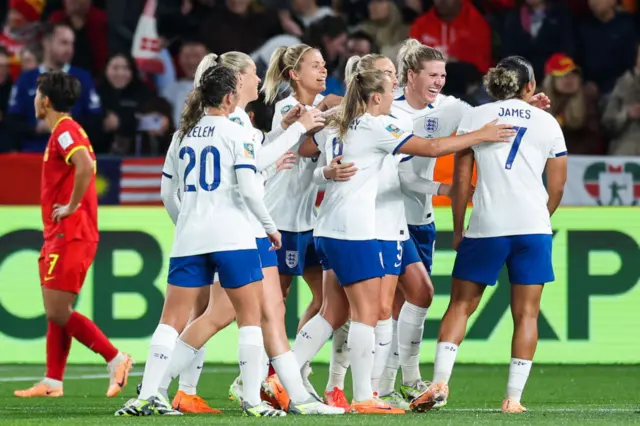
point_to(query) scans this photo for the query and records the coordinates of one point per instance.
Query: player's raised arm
(438, 147)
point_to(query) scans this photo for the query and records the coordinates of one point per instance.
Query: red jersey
(58, 176)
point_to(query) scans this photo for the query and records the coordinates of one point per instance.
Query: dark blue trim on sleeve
(167, 175)
(313, 138)
(401, 98)
(431, 106)
(395, 151)
(406, 158)
(245, 166)
(561, 154)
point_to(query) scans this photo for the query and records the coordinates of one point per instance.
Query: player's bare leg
(525, 308)
(465, 297)
(285, 284)
(364, 299)
(313, 278)
(287, 387)
(417, 290)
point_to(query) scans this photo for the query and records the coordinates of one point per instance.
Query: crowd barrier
(588, 315)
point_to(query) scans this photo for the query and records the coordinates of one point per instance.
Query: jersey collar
(402, 98)
(65, 68)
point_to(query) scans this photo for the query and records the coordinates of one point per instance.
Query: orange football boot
(275, 392)
(192, 404)
(119, 375)
(374, 406)
(510, 405)
(336, 398)
(41, 389)
(437, 392)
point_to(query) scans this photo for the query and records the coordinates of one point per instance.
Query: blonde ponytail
(207, 62)
(362, 85)
(283, 60)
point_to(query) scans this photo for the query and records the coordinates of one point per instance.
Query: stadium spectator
(90, 27)
(22, 27)
(359, 44)
(191, 53)
(122, 94)
(306, 12)
(385, 26)
(5, 90)
(329, 35)
(458, 30)
(235, 25)
(536, 30)
(31, 57)
(608, 46)
(622, 114)
(26, 130)
(576, 115)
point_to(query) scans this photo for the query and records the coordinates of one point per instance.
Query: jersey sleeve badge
(65, 140)
(285, 109)
(249, 151)
(394, 130)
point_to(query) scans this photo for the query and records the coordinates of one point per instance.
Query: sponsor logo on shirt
(237, 120)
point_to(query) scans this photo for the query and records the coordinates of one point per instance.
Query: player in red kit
(70, 217)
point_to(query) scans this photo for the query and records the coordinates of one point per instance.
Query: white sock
(362, 344)
(313, 335)
(162, 343)
(190, 376)
(339, 358)
(383, 335)
(410, 329)
(445, 358)
(518, 375)
(388, 379)
(52, 382)
(265, 365)
(250, 347)
(288, 371)
(182, 357)
(115, 361)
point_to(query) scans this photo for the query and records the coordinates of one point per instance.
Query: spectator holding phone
(123, 94)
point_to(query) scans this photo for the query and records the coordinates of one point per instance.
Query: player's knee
(386, 311)
(462, 307)
(421, 295)
(58, 316)
(525, 313)
(336, 317)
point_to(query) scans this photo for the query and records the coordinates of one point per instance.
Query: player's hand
(312, 119)
(329, 102)
(286, 162)
(445, 190)
(276, 241)
(541, 101)
(339, 172)
(61, 211)
(292, 116)
(494, 132)
(457, 238)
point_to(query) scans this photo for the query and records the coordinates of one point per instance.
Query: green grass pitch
(555, 395)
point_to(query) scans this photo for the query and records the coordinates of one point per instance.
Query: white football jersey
(212, 216)
(510, 197)
(241, 117)
(291, 195)
(437, 120)
(348, 210)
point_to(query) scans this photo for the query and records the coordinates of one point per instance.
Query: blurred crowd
(585, 54)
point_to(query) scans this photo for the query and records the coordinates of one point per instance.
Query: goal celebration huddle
(243, 205)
